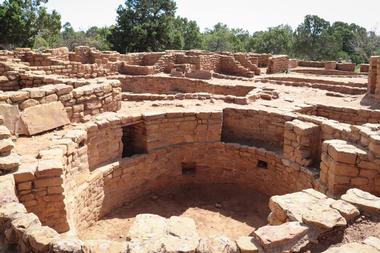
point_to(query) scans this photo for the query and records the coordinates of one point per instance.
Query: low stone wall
(245, 60)
(262, 59)
(153, 132)
(249, 126)
(136, 70)
(364, 68)
(80, 103)
(79, 70)
(128, 96)
(170, 85)
(317, 71)
(311, 64)
(335, 86)
(229, 66)
(278, 64)
(349, 67)
(343, 114)
(301, 142)
(40, 188)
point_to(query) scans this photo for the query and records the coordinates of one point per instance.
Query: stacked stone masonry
(109, 145)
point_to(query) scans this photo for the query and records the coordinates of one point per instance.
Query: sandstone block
(39, 238)
(373, 242)
(10, 211)
(48, 182)
(103, 246)
(246, 244)
(348, 211)
(283, 237)
(44, 117)
(28, 103)
(365, 201)
(11, 115)
(321, 216)
(6, 145)
(67, 246)
(352, 248)
(9, 162)
(4, 132)
(23, 222)
(344, 152)
(217, 244)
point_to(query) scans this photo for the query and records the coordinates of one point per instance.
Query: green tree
(143, 25)
(21, 21)
(186, 34)
(222, 38)
(97, 37)
(314, 40)
(276, 40)
(70, 38)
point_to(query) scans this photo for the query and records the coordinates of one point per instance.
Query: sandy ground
(357, 231)
(216, 209)
(30, 146)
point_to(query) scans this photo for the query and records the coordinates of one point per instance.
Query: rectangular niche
(189, 168)
(134, 140)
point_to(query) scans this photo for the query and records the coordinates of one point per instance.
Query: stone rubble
(9, 161)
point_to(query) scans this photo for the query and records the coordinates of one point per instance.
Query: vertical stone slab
(372, 75)
(11, 115)
(41, 118)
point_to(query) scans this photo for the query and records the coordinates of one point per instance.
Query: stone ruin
(87, 136)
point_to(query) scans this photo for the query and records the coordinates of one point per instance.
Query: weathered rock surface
(217, 244)
(352, 248)
(155, 233)
(39, 238)
(19, 225)
(9, 163)
(308, 206)
(246, 244)
(348, 211)
(7, 192)
(11, 115)
(9, 211)
(6, 145)
(320, 215)
(373, 242)
(103, 246)
(66, 246)
(282, 238)
(365, 201)
(4, 132)
(41, 118)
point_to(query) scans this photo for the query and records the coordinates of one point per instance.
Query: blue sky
(251, 15)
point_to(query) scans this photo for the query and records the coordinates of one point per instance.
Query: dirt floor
(216, 209)
(358, 231)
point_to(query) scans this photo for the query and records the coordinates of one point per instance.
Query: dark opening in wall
(134, 140)
(82, 143)
(262, 164)
(189, 168)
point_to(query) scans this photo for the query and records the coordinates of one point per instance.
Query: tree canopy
(143, 25)
(23, 21)
(277, 40)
